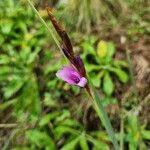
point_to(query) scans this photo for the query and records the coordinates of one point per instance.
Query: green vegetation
(39, 111)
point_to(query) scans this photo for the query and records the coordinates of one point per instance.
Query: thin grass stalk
(95, 99)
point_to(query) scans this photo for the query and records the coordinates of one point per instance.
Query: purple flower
(71, 76)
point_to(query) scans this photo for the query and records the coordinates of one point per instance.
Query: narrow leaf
(108, 85)
(83, 142)
(103, 116)
(71, 145)
(123, 76)
(146, 134)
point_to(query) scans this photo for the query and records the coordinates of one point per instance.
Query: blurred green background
(40, 112)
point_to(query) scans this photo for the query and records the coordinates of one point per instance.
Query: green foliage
(101, 65)
(20, 45)
(55, 126)
(108, 85)
(136, 134)
(40, 140)
(48, 113)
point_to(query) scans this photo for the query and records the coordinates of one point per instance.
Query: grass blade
(103, 116)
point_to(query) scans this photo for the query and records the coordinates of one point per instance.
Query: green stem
(103, 116)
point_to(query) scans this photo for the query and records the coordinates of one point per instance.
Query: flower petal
(71, 76)
(83, 82)
(65, 75)
(68, 74)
